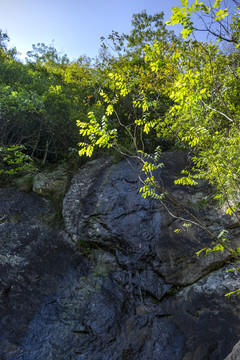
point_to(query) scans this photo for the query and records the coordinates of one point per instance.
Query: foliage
(198, 85)
(14, 160)
(146, 29)
(217, 20)
(206, 111)
(131, 93)
(205, 117)
(153, 88)
(41, 100)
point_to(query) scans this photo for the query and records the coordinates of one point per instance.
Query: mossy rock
(51, 182)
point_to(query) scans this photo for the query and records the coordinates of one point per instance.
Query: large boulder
(139, 292)
(103, 207)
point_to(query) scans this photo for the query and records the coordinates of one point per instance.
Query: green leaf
(237, 292)
(238, 249)
(222, 233)
(200, 251)
(221, 14)
(216, 4)
(185, 33)
(184, 3)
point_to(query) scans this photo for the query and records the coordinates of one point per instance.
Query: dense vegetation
(177, 89)
(147, 90)
(42, 99)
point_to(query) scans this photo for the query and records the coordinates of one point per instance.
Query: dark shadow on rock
(141, 294)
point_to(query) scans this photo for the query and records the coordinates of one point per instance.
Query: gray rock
(141, 293)
(33, 260)
(209, 320)
(235, 353)
(53, 182)
(103, 206)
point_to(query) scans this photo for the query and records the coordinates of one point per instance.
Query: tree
(43, 54)
(200, 85)
(128, 80)
(218, 21)
(206, 96)
(146, 29)
(41, 100)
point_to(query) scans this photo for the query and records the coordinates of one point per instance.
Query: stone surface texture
(51, 182)
(116, 282)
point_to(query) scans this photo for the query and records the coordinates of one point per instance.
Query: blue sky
(75, 25)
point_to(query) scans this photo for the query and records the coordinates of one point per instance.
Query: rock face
(235, 353)
(34, 260)
(117, 283)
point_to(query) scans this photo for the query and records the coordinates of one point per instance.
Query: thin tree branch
(219, 112)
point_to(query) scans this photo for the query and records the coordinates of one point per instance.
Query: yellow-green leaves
(183, 15)
(145, 124)
(86, 149)
(185, 181)
(184, 3)
(231, 210)
(121, 83)
(236, 292)
(221, 14)
(218, 247)
(148, 168)
(97, 134)
(205, 116)
(55, 89)
(109, 109)
(150, 165)
(216, 4)
(14, 160)
(200, 251)
(185, 33)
